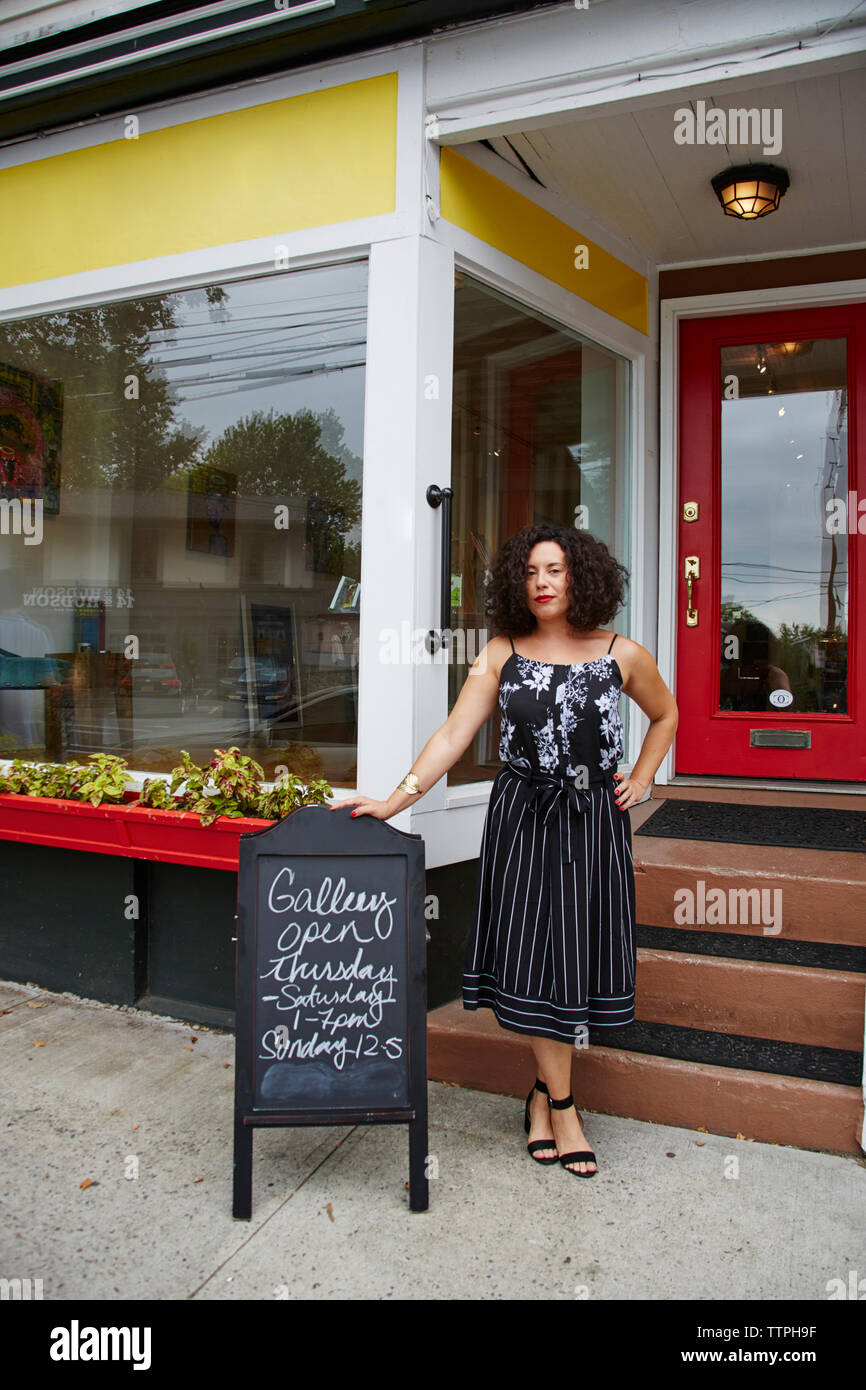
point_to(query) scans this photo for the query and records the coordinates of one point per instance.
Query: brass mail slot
(780, 738)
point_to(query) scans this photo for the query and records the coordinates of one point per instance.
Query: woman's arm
(649, 692)
(473, 707)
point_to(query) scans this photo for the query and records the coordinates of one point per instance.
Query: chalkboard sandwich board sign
(331, 984)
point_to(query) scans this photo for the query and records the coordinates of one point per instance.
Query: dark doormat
(832, 1064)
(803, 827)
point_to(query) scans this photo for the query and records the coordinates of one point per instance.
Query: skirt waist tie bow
(549, 792)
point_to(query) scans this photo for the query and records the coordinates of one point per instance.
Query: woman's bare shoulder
(493, 656)
(630, 656)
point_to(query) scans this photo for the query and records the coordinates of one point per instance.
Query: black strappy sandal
(537, 1144)
(583, 1155)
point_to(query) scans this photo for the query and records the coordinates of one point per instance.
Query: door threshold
(768, 791)
(792, 784)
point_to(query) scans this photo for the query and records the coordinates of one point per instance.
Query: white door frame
(672, 312)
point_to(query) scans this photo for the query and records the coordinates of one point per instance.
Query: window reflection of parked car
(268, 684)
(330, 715)
(154, 674)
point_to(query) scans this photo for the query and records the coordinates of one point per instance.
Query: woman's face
(547, 581)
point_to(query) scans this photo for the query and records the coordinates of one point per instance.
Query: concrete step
(467, 1048)
(820, 881)
(760, 999)
(820, 894)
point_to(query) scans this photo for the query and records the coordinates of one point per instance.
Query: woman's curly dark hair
(596, 580)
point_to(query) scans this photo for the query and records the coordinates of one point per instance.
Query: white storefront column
(407, 444)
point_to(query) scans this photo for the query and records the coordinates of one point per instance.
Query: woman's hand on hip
(629, 792)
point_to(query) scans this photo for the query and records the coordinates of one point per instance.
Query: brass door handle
(692, 572)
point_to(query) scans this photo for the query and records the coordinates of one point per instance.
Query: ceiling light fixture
(750, 190)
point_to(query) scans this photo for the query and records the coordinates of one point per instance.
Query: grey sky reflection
(775, 551)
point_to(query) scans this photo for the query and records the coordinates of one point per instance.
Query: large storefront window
(180, 477)
(540, 433)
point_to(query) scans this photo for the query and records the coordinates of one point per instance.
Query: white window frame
(381, 240)
(452, 821)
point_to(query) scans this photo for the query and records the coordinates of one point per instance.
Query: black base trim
(778, 950)
(735, 1050)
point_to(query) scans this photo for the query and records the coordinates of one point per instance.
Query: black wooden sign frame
(309, 832)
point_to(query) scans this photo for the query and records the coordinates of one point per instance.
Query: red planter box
(136, 832)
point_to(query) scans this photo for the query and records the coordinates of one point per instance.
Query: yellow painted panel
(488, 208)
(305, 161)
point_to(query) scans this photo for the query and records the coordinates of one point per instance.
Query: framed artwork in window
(31, 418)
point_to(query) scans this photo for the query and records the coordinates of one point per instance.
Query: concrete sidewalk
(94, 1092)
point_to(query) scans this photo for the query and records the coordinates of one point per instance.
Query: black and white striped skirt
(552, 948)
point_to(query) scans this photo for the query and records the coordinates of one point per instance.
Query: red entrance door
(771, 580)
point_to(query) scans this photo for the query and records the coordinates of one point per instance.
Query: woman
(552, 949)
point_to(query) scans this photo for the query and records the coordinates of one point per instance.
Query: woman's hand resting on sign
(365, 806)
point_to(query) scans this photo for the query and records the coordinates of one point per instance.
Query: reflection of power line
(757, 564)
(273, 380)
(285, 354)
(276, 368)
(163, 342)
(795, 576)
(228, 337)
(265, 332)
(759, 581)
(333, 322)
(281, 314)
(273, 352)
(250, 313)
(265, 339)
(755, 581)
(183, 391)
(776, 598)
